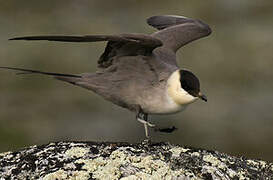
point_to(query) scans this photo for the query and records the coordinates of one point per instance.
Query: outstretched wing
(118, 45)
(177, 31)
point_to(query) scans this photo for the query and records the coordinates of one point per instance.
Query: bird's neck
(176, 92)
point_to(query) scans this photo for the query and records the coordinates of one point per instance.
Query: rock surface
(91, 160)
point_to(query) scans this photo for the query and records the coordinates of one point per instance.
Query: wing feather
(118, 45)
(177, 31)
(139, 39)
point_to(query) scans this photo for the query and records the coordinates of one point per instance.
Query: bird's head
(184, 87)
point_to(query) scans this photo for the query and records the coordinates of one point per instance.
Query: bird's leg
(146, 126)
(143, 118)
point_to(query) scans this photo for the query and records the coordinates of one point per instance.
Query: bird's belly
(164, 109)
(156, 106)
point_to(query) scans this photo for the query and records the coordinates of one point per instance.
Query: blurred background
(234, 65)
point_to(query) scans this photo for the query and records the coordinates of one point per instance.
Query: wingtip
(172, 17)
(164, 21)
(205, 27)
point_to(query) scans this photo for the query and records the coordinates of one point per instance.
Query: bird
(139, 71)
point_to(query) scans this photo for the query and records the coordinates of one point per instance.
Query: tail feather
(30, 71)
(71, 78)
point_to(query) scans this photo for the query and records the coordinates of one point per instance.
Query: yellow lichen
(176, 151)
(214, 161)
(134, 159)
(131, 177)
(197, 154)
(231, 173)
(148, 167)
(79, 175)
(76, 152)
(242, 175)
(263, 164)
(109, 168)
(92, 164)
(101, 168)
(251, 162)
(5, 153)
(60, 174)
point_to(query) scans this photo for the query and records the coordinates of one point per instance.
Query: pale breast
(157, 101)
(166, 98)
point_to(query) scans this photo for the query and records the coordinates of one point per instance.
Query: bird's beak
(202, 96)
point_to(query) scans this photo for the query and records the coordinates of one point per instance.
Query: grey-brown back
(130, 80)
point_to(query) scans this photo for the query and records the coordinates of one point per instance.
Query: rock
(94, 160)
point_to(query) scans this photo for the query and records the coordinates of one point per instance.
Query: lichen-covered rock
(90, 160)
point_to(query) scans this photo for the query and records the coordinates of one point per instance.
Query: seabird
(139, 71)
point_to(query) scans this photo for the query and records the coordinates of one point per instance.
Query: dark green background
(234, 65)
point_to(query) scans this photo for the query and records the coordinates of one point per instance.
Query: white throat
(176, 92)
